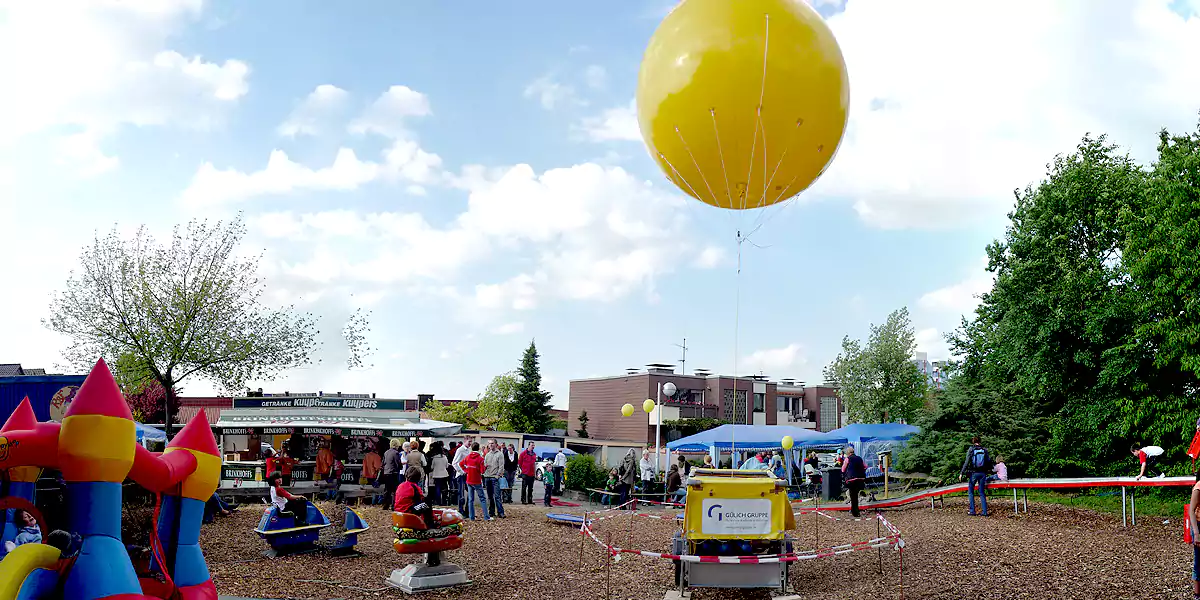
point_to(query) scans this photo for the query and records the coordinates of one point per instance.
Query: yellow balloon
(627, 410)
(648, 405)
(743, 103)
(788, 442)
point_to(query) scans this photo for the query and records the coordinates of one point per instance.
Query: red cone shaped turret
(196, 435)
(22, 419)
(99, 395)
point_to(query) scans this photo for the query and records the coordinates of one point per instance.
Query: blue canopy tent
(870, 439)
(146, 433)
(753, 438)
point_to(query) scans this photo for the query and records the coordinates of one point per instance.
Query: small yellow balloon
(648, 405)
(788, 442)
(743, 104)
(627, 410)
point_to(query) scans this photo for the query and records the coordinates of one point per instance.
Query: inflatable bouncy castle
(95, 448)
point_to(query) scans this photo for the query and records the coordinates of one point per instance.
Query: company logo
(5, 445)
(716, 507)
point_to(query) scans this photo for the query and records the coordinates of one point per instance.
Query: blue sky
(472, 173)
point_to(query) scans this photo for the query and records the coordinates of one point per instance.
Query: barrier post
(1124, 509)
(629, 540)
(608, 560)
(1025, 499)
(1133, 507)
(582, 536)
(878, 534)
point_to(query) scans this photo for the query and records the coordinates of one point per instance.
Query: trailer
(733, 514)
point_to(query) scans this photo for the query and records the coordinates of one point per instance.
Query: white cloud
(959, 298)
(938, 138)
(94, 66)
(388, 114)
(933, 342)
(710, 257)
(582, 233)
(618, 124)
(550, 93)
(596, 77)
(509, 328)
(310, 116)
(774, 361)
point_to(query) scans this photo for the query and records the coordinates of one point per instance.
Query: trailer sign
(736, 516)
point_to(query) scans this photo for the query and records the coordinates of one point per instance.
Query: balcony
(795, 420)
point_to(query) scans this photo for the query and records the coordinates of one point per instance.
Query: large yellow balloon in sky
(743, 102)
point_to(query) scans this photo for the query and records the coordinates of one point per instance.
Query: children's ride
(285, 537)
(734, 513)
(95, 448)
(414, 537)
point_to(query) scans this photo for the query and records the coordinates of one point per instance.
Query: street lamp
(669, 390)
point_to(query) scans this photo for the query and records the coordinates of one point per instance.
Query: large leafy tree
(490, 412)
(878, 380)
(531, 404)
(191, 307)
(1070, 338)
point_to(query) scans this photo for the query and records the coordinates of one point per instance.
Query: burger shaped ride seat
(413, 536)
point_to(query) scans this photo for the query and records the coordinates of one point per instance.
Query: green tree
(167, 312)
(1064, 330)
(878, 381)
(531, 404)
(583, 421)
(490, 412)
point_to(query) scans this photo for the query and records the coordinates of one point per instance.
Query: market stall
(305, 426)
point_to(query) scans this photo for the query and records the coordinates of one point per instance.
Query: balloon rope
(697, 165)
(721, 154)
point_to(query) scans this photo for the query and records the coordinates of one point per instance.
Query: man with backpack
(978, 464)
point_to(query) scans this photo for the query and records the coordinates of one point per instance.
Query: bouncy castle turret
(22, 481)
(183, 510)
(95, 453)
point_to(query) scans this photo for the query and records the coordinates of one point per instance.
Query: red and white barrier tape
(893, 540)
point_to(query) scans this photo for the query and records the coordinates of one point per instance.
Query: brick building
(739, 400)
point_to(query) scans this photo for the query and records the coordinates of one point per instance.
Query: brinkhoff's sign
(350, 431)
(318, 402)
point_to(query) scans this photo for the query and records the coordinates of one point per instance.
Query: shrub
(583, 472)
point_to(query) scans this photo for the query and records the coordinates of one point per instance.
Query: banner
(727, 516)
(319, 402)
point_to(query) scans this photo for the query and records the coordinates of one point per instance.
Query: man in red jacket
(528, 464)
(472, 467)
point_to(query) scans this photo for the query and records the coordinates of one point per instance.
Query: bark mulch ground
(1051, 552)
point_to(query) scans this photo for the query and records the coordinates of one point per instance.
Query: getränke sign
(318, 402)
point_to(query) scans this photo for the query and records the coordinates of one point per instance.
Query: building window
(734, 409)
(829, 414)
(760, 401)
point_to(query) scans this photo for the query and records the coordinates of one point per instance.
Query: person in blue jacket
(28, 531)
(979, 464)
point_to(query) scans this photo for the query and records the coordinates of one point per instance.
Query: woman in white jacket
(647, 467)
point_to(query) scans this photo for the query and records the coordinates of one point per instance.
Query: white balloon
(669, 388)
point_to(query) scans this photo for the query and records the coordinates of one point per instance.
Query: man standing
(528, 464)
(493, 470)
(391, 471)
(560, 467)
(647, 467)
(854, 473)
(461, 479)
(978, 463)
(473, 467)
(417, 459)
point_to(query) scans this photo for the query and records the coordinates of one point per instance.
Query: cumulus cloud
(946, 120)
(618, 124)
(549, 93)
(774, 361)
(310, 117)
(391, 111)
(111, 67)
(961, 297)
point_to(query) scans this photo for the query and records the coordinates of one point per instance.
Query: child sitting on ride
(285, 501)
(675, 487)
(410, 499)
(28, 531)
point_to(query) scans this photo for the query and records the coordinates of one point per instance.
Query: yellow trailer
(734, 513)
